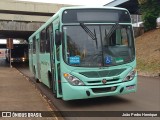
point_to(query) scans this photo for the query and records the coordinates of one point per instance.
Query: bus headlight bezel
(73, 80)
(130, 76)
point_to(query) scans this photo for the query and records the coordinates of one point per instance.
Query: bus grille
(99, 82)
(104, 73)
(103, 90)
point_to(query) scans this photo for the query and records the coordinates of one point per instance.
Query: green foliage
(150, 12)
(141, 1)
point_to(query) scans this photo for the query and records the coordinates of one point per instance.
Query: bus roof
(49, 21)
(92, 7)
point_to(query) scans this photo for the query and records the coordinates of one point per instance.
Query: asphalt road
(147, 98)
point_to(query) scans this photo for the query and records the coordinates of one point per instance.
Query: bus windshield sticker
(119, 60)
(74, 60)
(108, 60)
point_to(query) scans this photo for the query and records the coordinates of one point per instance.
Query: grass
(148, 53)
(144, 66)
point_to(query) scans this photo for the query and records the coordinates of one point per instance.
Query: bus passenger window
(34, 45)
(43, 41)
(48, 37)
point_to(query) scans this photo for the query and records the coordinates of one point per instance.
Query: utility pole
(10, 47)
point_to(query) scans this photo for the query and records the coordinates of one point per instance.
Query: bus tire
(55, 95)
(50, 80)
(37, 80)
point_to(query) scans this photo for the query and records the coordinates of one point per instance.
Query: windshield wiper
(108, 35)
(90, 33)
(112, 30)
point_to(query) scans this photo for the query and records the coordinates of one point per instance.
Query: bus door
(57, 61)
(52, 62)
(37, 57)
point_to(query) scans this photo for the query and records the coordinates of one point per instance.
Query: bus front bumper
(84, 92)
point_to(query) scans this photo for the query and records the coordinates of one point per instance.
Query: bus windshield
(108, 45)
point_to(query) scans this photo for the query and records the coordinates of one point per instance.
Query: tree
(150, 12)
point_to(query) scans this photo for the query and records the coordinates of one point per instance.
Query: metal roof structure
(131, 5)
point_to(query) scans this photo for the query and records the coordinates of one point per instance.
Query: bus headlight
(73, 80)
(130, 76)
(23, 59)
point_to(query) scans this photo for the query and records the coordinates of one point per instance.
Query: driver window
(124, 37)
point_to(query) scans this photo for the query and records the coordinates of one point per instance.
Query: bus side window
(43, 41)
(124, 36)
(30, 47)
(48, 34)
(34, 45)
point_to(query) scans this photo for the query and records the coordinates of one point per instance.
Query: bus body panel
(45, 67)
(81, 91)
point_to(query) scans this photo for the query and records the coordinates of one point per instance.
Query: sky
(74, 2)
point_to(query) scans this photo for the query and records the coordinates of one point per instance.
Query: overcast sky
(74, 2)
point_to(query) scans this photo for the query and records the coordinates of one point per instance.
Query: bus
(85, 52)
(2, 53)
(19, 53)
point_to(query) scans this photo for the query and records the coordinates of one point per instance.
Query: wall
(138, 31)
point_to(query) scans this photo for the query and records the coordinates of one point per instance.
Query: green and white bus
(85, 52)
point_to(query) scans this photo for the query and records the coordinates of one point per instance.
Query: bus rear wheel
(50, 80)
(37, 80)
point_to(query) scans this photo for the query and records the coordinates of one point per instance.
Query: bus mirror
(57, 37)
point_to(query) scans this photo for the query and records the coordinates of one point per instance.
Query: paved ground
(19, 94)
(147, 98)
